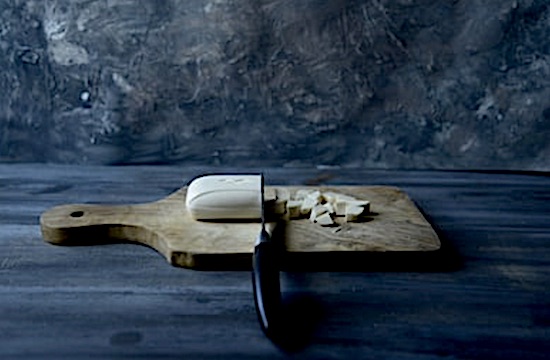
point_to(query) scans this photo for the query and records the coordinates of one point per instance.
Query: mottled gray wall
(375, 83)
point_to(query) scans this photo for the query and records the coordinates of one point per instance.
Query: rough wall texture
(374, 83)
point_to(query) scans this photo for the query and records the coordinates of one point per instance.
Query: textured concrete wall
(375, 83)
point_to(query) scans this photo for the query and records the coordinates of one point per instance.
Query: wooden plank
(394, 224)
(123, 301)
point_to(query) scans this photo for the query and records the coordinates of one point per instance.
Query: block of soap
(302, 194)
(356, 209)
(317, 211)
(324, 220)
(307, 204)
(218, 197)
(340, 208)
(293, 209)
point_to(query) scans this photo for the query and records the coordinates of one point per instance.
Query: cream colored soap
(307, 204)
(356, 209)
(293, 209)
(302, 194)
(324, 220)
(335, 197)
(216, 197)
(317, 211)
(360, 203)
(340, 208)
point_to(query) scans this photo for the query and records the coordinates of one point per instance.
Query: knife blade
(265, 276)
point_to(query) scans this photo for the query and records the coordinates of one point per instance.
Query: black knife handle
(266, 283)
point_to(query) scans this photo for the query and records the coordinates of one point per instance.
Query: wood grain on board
(394, 224)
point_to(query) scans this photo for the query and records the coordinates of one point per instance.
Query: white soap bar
(340, 208)
(361, 203)
(330, 208)
(215, 197)
(355, 210)
(317, 211)
(307, 204)
(281, 199)
(330, 196)
(324, 220)
(302, 194)
(335, 197)
(293, 209)
(316, 195)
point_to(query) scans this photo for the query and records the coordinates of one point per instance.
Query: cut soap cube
(324, 220)
(307, 204)
(317, 211)
(356, 209)
(293, 209)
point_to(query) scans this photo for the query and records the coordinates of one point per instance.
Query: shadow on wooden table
(300, 318)
(303, 313)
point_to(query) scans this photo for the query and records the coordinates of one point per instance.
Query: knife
(265, 277)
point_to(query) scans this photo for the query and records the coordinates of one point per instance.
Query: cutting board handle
(166, 226)
(95, 224)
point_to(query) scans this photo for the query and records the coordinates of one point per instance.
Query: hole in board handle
(77, 214)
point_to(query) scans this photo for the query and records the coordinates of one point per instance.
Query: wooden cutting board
(394, 225)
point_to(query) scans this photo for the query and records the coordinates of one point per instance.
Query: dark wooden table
(484, 296)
